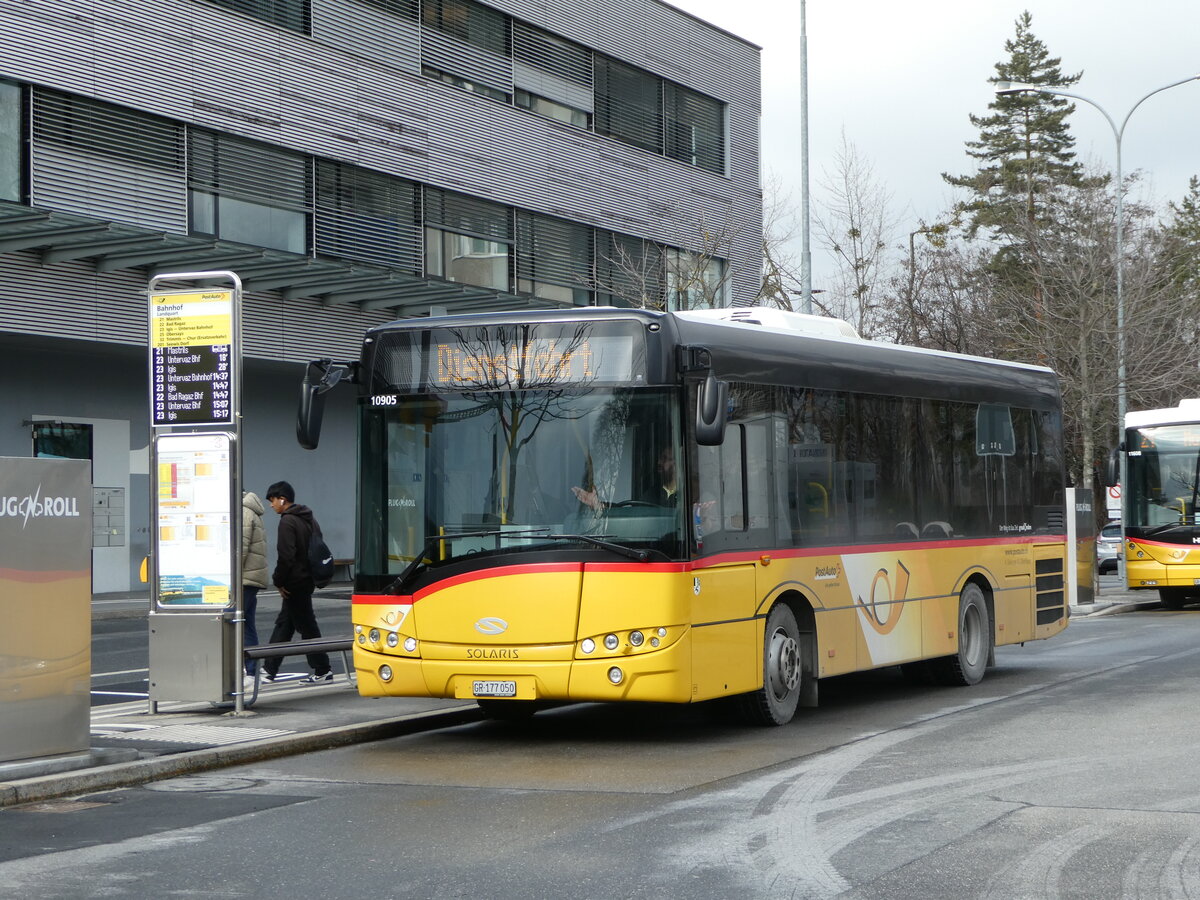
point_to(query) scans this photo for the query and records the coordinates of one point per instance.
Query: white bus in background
(1160, 498)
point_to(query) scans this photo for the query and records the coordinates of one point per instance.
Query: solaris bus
(605, 504)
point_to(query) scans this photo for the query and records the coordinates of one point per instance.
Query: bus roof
(1186, 412)
(766, 345)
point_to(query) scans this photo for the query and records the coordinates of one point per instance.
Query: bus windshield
(452, 476)
(1164, 477)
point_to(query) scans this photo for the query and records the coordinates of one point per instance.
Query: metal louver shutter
(467, 215)
(290, 14)
(98, 159)
(628, 104)
(404, 9)
(553, 250)
(248, 170)
(366, 215)
(552, 54)
(695, 128)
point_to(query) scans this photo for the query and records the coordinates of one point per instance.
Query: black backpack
(320, 558)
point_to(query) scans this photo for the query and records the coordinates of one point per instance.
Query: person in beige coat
(254, 567)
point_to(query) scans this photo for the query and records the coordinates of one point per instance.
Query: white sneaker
(248, 684)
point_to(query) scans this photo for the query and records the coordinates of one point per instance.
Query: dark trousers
(296, 614)
(249, 628)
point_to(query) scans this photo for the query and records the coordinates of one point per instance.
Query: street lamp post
(1006, 87)
(805, 252)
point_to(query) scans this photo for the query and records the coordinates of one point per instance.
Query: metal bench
(344, 646)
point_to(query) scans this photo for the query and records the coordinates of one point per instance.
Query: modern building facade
(353, 161)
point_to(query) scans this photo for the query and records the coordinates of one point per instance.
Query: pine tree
(1024, 147)
(1183, 236)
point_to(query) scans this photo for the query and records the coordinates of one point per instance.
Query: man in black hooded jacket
(294, 581)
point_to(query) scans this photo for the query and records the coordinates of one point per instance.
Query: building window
(467, 240)
(62, 440)
(629, 271)
(554, 259)
(551, 109)
(361, 214)
(290, 14)
(695, 128)
(466, 259)
(552, 54)
(694, 280)
(629, 104)
(10, 141)
(468, 21)
(465, 84)
(248, 192)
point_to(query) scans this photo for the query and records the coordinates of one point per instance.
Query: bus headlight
(611, 642)
(588, 645)
(410, 644)
(637, 638)
(385, 673)
(615, 675)
(393, 639)
(373, 636)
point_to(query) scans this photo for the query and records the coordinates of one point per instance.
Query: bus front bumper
(663, 676)
(1146, 573)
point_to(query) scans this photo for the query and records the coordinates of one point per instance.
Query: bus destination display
(191, 358)
(514, 357)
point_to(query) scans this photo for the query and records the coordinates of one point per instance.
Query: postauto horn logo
(35, 506)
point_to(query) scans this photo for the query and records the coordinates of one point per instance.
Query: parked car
(1108, 544)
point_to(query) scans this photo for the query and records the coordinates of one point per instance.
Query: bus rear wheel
(966, 667)
(775, 702)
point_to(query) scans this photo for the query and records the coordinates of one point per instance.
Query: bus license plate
(494, 688)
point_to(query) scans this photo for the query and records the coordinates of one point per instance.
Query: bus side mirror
(1112, 468)
(319, 376)
(712, 411)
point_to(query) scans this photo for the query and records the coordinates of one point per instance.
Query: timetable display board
(191, 358)
(197, 520)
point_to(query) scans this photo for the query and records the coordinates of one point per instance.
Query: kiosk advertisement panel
(45, 606)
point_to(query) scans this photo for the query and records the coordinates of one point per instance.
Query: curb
(130, 774)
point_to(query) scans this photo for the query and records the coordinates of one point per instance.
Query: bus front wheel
(1172, 598)
(966, 667)
(775, 702)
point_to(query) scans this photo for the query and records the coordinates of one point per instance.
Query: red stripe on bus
(706, 562)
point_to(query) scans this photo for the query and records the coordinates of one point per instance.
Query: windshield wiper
(432, 541)
(630, 552)
(1159, 529)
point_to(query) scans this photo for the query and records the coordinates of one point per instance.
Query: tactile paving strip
(193, 734)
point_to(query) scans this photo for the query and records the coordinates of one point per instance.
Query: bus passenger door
(725, 637)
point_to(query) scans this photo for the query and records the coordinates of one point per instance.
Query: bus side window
(721, 497)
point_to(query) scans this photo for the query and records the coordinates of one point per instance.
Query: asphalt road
(1069, 772)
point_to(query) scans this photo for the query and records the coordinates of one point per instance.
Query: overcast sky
(901, 79)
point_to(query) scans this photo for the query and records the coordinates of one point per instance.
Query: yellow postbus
(607, 504)
(1161, 516)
